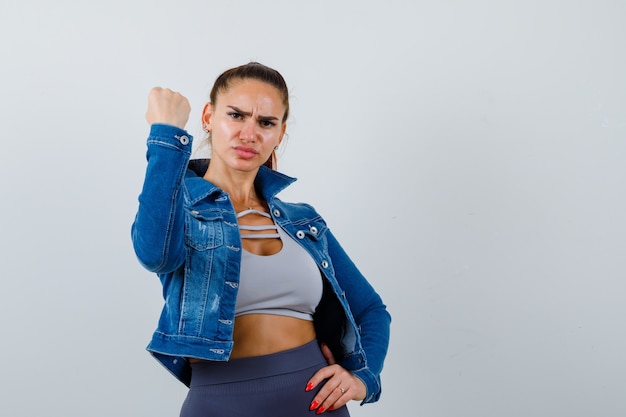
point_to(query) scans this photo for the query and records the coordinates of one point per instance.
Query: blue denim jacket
(186, 231)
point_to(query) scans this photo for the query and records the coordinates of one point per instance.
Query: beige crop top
(287, 283)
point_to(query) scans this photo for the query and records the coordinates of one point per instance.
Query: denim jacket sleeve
(370, 315)
(158, 232)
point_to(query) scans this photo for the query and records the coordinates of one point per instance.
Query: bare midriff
(264, 334)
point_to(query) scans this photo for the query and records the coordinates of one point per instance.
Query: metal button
(324, 264)
(276, 212)
(184, 139)
(313, 229)
(300, 234)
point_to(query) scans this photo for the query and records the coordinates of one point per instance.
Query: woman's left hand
(341, 386)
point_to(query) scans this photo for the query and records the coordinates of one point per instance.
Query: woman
(264, 312)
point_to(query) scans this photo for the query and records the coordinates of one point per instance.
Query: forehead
(253, 94)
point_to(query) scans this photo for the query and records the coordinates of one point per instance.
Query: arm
(373, 321)
(158, 229)
(370, 314)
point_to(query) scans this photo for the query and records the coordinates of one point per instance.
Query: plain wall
(469, 155)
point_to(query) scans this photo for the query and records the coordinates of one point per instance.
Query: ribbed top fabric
(287, 283)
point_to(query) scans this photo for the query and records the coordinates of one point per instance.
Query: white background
(469, 155)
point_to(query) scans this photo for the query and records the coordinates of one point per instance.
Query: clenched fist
(167, 107)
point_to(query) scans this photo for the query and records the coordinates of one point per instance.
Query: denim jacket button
(313, 230)
(324, 264)
(300, 234)
(276, 212)
(184, 140)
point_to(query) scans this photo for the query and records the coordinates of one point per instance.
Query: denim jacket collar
(268, 181)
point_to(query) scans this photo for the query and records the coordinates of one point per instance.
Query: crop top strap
(257, 228)
(253, 211)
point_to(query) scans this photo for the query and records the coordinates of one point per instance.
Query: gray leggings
(262, 386)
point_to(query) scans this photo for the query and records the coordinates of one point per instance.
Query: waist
(241, 369)
(265, 334)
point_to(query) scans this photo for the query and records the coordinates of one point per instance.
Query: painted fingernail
(320, 410)
(309, 387)
(314, 405)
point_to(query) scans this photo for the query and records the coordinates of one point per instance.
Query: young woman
(264, 312)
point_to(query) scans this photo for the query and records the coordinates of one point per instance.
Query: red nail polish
(314, 405)
(320, 410)
(309, 387)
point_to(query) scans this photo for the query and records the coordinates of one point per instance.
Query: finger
(342, 398)
(325, 373)
(330, 358)
(336, 385)
(336, 398)
(338, 391)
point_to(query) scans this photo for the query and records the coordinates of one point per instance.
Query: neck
(238, 184)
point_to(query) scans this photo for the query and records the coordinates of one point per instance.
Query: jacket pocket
(203, 229)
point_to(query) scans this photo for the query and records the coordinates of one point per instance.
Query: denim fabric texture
(186, 232)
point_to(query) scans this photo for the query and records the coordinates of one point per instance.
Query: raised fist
(167, 107)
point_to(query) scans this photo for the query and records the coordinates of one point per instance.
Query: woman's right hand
(167, 107)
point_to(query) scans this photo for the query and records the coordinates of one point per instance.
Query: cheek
(224, 130)
(273, 135)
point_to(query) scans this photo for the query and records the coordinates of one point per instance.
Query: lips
(245, 152)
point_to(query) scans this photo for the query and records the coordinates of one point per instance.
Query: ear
(207, 113)
(282, 133)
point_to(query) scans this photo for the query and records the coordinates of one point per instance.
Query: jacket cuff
(170, 136)
(372, 385)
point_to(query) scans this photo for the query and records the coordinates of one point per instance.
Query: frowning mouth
(245, 152)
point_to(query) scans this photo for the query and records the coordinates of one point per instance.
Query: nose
(248, 131)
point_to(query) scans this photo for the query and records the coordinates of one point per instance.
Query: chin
(246, 165)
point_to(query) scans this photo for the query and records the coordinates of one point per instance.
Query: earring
(205, 128)
(276, 147)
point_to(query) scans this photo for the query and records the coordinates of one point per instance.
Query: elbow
(156, 258)
(157, 262)
(149, 259)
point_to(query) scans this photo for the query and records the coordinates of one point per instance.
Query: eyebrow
(248, 114)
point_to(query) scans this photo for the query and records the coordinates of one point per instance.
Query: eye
(267, 123)
(235, 115)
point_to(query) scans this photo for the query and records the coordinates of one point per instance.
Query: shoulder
(301, 219)
(297, 210)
